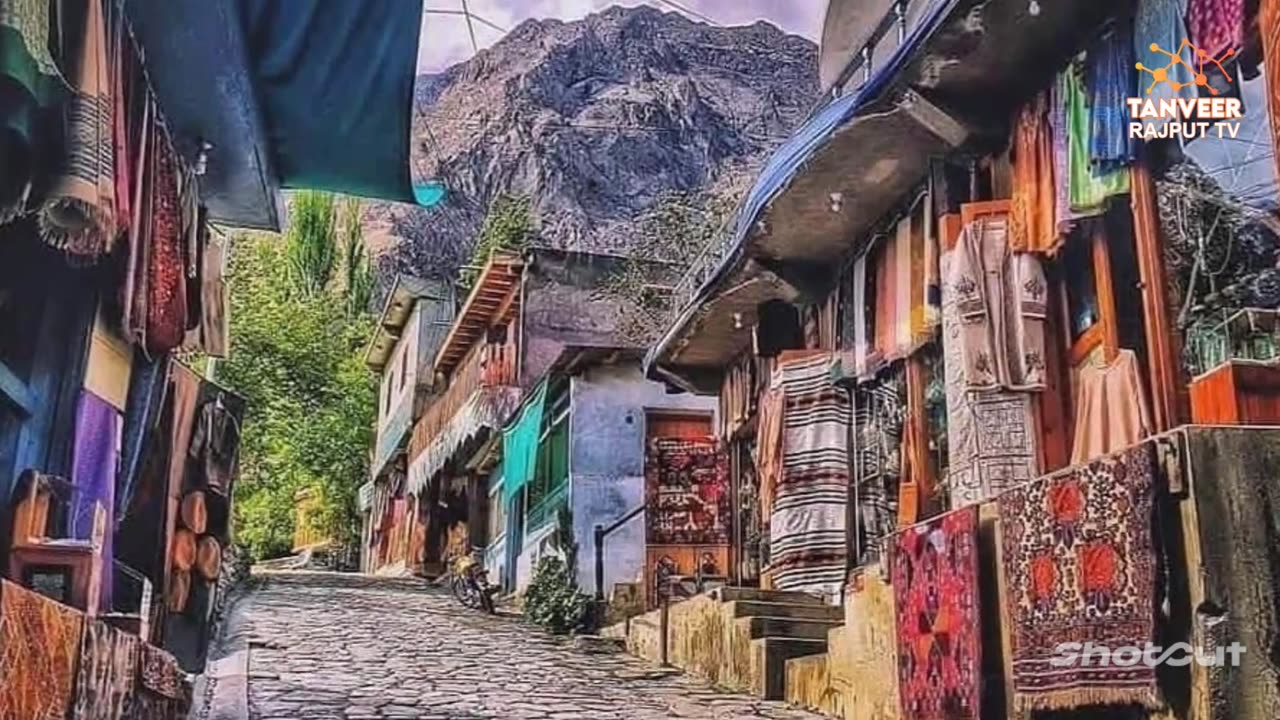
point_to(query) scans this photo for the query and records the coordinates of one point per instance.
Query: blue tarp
(792, 155)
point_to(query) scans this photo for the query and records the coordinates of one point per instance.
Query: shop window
(1083, 312)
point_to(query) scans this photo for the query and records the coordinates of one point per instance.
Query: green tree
(312, 241)
(358, 281)
(297, 359)
(507, 226)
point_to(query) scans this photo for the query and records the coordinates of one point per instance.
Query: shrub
(553, 599)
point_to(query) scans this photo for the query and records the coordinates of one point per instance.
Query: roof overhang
(493, 301)
(404, 295)
(952, 85)
(305, 94)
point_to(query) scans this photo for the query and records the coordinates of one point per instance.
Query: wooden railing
(485, 365)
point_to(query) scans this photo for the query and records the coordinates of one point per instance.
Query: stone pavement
(349, 647)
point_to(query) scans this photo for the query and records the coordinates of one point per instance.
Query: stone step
(776, 652)
(767, 627)
(760, 608)
(737, 594)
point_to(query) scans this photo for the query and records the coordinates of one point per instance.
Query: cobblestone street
(349, 647)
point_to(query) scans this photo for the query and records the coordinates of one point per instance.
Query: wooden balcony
(480, 393)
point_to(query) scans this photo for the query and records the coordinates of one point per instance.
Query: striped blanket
(807, 539)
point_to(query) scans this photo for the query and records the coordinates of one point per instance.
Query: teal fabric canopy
(334, 79)
(520, 444)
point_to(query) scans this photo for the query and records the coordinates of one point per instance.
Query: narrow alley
(349, 646)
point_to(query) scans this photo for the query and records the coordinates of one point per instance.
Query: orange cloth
(769, 448)
(1032, 223)
(1269, 26)
(1111, 409)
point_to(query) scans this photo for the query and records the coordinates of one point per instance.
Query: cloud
(446, 40)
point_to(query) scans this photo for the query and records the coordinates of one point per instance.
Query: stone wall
(858, 678)
(705, 640)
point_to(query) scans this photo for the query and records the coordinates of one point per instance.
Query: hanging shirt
(1001, 300)
(1089, 189)
(1159, 23)
(1032, 225)
(1269, 23)
(1109, 77)
(1111, 409)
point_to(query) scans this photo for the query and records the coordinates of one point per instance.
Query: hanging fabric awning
(299, 94)
(334, 79)
(520, 443)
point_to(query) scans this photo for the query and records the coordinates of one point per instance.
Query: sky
(445, 40)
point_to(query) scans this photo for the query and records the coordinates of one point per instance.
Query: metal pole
(599, 536)
(663, 623)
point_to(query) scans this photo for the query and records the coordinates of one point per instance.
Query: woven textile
(107, 677)
(1089, 187)
(163, 692)
(879, 412)
(39, 643)
(79, 216)
(166, 297)
(935, 587)
(687, 489)
(1216, 26)
(807, 540)
(1080, 567)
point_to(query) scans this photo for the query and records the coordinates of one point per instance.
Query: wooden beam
(1168, 387)
(935, 119)
(1105, 282)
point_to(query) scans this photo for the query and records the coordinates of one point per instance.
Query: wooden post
(1168, 391)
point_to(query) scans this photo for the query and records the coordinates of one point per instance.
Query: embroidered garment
(1216, 26)
(79, 215)
(1269, 28)
(1080, 566)
(30, 85)
(687, 492)
(107, 675)
(1111, 408)
(935, 588)
(879, 412)
(1089, 186)
(991, 433)
(1002, 301)
(807, 541)
(95, 461)
(1032, 221)
(39, 643)
(1109, 76)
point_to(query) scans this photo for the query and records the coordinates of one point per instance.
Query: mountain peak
(597, 120)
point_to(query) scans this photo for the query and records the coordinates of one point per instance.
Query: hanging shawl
(134, 291)
(29, 84)
(1032, 227)
(79, 215)
(166, 311)
(1216, 26)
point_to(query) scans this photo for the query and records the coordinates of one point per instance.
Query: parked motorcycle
(469, 582)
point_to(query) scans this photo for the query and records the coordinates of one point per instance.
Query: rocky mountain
(596, 121)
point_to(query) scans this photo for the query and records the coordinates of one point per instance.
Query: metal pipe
(599, 536)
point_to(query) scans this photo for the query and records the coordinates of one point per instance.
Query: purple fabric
(95, 458)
